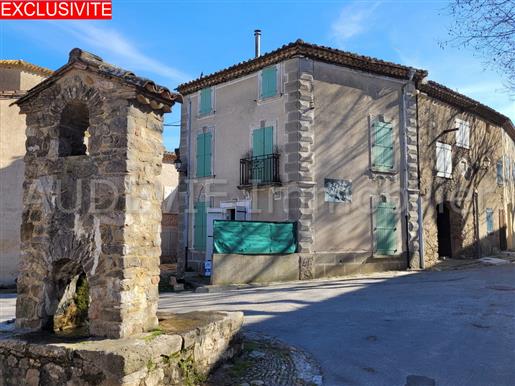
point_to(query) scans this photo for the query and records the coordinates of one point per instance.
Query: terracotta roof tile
(158, 97)
(301, 48)
(29, 67)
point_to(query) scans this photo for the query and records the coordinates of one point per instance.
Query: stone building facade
(92, 198)
(16, 77)
(465, 210)
(348, 141)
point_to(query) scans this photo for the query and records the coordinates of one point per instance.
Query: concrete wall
(346, 102)
(12, 151)
(237, 112)
(458, 191)
(243, 269)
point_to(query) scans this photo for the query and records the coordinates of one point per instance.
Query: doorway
(443, 224)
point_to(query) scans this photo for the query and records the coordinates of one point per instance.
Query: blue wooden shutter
(199, 240)
(382, 147)
(205, 101)
(269, 82)
(490, 220)
(386, 229)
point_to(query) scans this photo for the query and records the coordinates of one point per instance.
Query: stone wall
(181, 352)
(468, 224)
(97, 213)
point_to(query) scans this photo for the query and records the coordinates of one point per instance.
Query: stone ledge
(185, 346)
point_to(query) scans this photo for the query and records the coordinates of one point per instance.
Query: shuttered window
(500, 173)
(443, 160)
(386, 228)
(204, 154)
(206, 98)
(262, 145)
(382, 146)
(200, 226)
(269, 82)
(490, 220)
(462, 134)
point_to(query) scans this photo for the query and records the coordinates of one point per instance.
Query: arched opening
(71, 297)
(73, 128)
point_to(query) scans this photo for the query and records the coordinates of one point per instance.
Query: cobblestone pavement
(268, 361)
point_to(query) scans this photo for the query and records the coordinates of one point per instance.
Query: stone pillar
(411, 150)
(97, 211)
(299, 148)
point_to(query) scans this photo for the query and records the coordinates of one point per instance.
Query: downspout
(188, 194)
(419, 199)
(405, 161)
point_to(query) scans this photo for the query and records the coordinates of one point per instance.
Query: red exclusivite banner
(57, 9)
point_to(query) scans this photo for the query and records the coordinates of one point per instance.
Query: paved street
(455, 327)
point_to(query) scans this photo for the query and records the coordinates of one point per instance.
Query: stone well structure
(92, 202)
(92, 219)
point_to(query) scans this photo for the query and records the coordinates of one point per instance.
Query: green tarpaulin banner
(254, 237)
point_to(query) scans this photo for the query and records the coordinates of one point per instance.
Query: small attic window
(73, 128)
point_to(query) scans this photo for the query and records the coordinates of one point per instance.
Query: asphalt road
(433, 328)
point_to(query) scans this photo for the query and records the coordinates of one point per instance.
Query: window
(268, 82)
(72, 130)
(500, 173)
(206, 101)
(262, 147)
(200, 226)
(443, 160)
(204, 154)
(507, 163)
(489, 221)
(382, 146)
(462, 134)
(385, 230)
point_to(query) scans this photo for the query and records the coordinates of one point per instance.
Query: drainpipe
(419, 199)
(405, 161)
(188, 193)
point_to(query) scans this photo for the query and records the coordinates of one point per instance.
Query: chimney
(257, 42)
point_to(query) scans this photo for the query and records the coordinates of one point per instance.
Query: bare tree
(488, 27)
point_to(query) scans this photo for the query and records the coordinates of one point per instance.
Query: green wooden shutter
(207, 154)
(200, 155)
(386, 229)
(382, 147)
(263, 141)
(204, 153)
(269, 82)
(205, 101)
(199, 240)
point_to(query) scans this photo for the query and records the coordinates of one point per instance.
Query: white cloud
(119, 49)
(352, 21)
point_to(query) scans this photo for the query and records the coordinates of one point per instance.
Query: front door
(443, 223)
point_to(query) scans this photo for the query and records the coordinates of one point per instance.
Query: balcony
(261, 170)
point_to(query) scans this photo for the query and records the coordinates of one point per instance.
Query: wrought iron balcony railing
(260, 170)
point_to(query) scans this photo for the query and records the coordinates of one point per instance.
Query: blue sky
(174, 41)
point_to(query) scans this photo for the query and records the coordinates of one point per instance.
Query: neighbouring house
(16, 77)
(169, 180)
(367, 158)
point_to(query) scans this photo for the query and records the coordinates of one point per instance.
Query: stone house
(16, 77)
(347, 147)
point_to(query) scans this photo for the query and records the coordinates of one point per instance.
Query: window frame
(200, 113)
(277, 83)
(463, 128)
(443, 173)
(490, 227)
